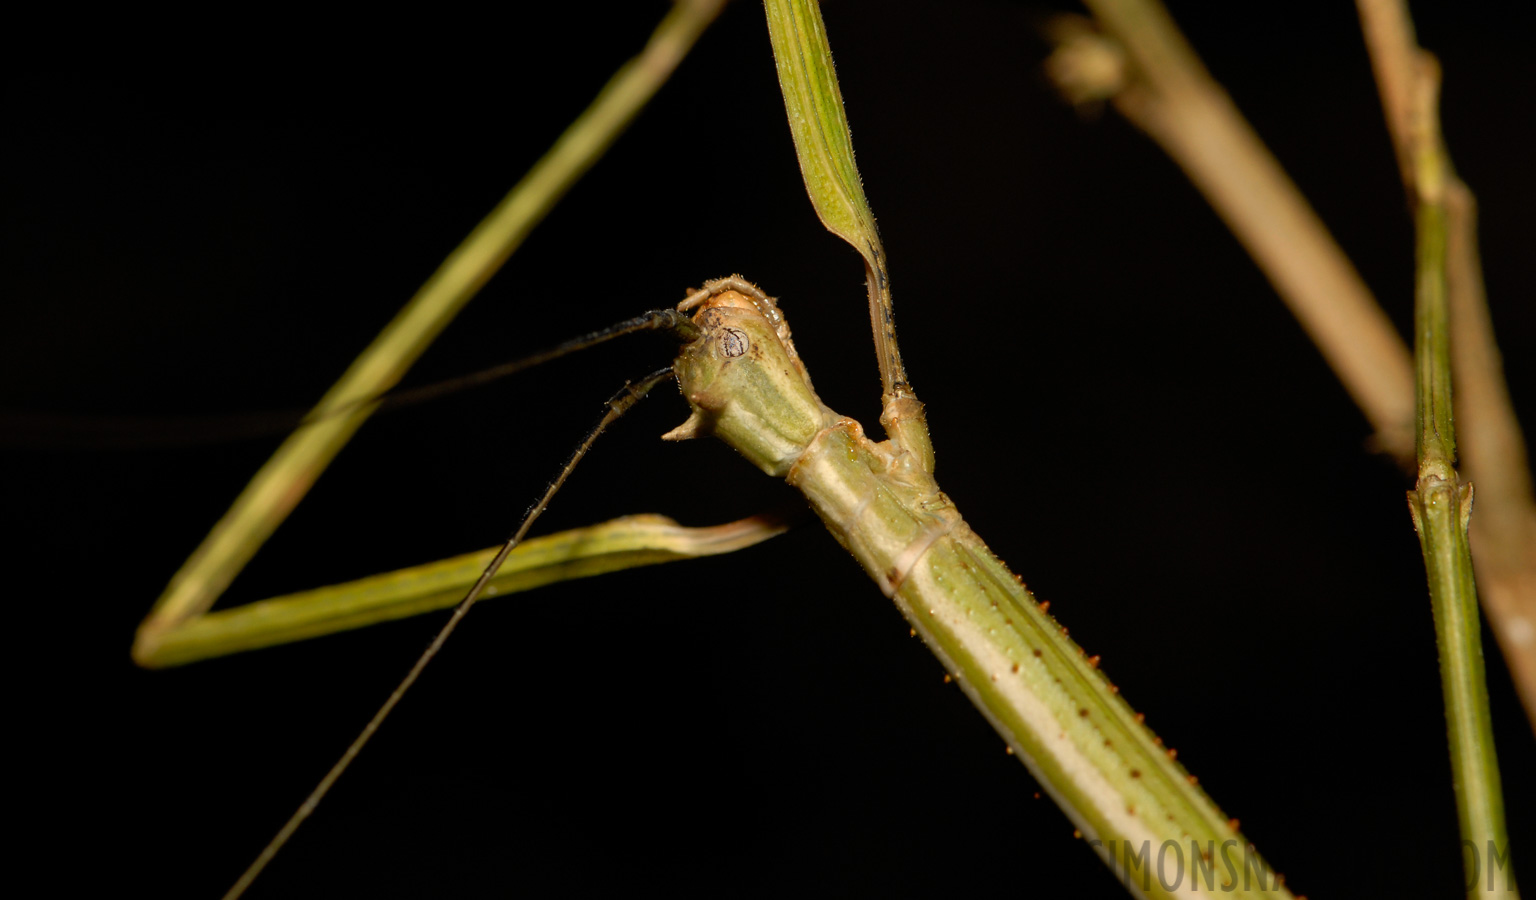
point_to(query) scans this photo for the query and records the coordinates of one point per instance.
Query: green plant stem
(1409, 82)
(288, 475)
(1440, 504)
(1492, 449)
(1441, 509)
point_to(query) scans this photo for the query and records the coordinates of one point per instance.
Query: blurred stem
(1493, 455)
(1154, 78)
(285, 478)
(1409, 80)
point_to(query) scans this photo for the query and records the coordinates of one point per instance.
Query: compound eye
(733, 342)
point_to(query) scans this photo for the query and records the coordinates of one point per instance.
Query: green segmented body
(1058, 713)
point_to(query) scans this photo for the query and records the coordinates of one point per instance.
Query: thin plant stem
(1441, 505)
(1493, 453)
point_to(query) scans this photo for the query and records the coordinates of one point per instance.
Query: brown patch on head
(731, 300)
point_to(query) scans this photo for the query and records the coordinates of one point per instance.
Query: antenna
(36, 430)
(618, 405)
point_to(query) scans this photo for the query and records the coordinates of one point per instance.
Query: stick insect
(731, 721)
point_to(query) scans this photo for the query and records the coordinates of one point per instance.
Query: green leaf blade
(814, 104)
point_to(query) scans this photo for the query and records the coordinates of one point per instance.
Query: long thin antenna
(619, 404)
(54, 431)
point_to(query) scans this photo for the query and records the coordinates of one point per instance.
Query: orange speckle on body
(1037, 795)
(1015, 667)
(1077, 834)
(1193, 780)
(1232, 824)
(947, 679)
(1172, 753)
(1141, 717)
(1010, 751)
(1094, 660)
(1045, 606)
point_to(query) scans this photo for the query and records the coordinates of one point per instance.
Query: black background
(1119, 403)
